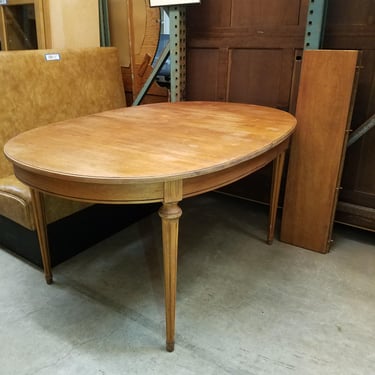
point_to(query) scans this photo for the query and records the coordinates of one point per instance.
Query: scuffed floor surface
(243, 307)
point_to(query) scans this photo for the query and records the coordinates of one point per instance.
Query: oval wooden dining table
(151, 153)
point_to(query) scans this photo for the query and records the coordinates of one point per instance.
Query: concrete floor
(243, 307)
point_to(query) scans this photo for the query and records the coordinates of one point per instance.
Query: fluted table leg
(170, 214)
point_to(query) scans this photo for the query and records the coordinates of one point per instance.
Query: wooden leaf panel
(316, 155)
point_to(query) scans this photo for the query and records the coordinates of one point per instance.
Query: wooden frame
(39, 21)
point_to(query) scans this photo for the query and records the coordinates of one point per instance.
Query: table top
(150, 143)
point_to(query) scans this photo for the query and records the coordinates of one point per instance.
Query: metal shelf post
(316, 17)
(177, 20)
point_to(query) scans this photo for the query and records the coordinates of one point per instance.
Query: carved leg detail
(170, 214)
(278, 165)
(41, 227)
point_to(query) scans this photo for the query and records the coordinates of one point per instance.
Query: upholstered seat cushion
(15, 201)
(15, 204)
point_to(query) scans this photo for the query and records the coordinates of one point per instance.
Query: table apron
(201, 184)
(143, 192)
(108, 193)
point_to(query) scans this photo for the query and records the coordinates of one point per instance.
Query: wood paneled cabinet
(251, 51)
(246, 51)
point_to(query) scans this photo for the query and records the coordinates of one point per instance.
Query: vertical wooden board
(317, 149)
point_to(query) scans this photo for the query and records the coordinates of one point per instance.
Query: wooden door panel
(255, 76)
(260, 76)
(348, 12)
(350, 24)
(210, 14)
(260, 12)
(202, 70)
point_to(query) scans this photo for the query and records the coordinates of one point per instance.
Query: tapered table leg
(170, 214)
(278, 165)
(41, 227)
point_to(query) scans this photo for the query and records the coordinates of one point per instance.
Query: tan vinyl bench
(39, 87)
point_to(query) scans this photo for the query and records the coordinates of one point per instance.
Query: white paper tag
(52, 56)
(160, 3)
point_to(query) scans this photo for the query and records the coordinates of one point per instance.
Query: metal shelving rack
(176, 50)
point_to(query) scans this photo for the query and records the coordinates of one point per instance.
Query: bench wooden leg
(278, 165)
(41, 227)
(170, 214)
